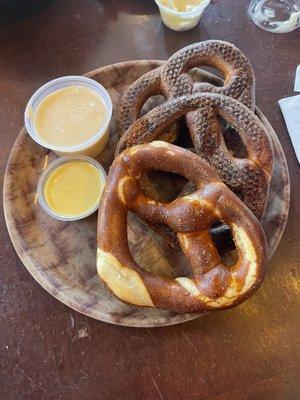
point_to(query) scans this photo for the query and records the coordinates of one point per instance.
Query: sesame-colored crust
(212, 285)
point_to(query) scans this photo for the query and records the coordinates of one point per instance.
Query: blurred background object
(181, 15)
(277, 16)
(12, 10)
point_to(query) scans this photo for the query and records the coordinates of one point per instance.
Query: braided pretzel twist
(251, 176)
(213, 285)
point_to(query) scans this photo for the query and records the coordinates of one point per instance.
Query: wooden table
(49, 351)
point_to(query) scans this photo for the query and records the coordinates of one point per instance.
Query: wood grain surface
(49, 351)
(61, 255)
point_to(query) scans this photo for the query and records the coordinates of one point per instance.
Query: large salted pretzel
(249, 177)
(172, 80)
(211, 285)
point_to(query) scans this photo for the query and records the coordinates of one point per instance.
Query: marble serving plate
(61, 256)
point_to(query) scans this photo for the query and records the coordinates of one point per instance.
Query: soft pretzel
(212, 285)
(249, 177)
(132, 102)
(172, 80)
(239, 80)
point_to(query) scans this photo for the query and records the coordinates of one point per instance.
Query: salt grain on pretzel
(212, 286)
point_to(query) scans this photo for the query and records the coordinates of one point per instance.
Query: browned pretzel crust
(249, 177)
(132, 102)
(212, 286)
(239, 80)
(172, 80)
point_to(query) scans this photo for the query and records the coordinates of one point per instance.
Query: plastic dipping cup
(181, 21)
(92, 146)
(71, 187)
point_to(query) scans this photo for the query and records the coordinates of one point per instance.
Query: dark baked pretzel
(135, 97)
(172, 80)
(132, 102)
(142, 89)
(249, 177)
(212, 285)
(239, 80)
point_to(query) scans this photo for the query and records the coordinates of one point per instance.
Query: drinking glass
(278, 16)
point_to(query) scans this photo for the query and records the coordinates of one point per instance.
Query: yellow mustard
(74, 188)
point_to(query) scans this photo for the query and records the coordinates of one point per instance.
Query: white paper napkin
(290, 107)
(297, 80)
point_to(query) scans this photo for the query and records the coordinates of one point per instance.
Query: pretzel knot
(130, 106)
(239, 81)
(212, 285)
(249, 176)
(172, 80)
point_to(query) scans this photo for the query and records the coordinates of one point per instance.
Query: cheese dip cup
(181, 15)
(71, 187)
(70, 115)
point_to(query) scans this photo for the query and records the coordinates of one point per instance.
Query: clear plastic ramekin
(92, 147)
(181, 21)
(49, 170)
